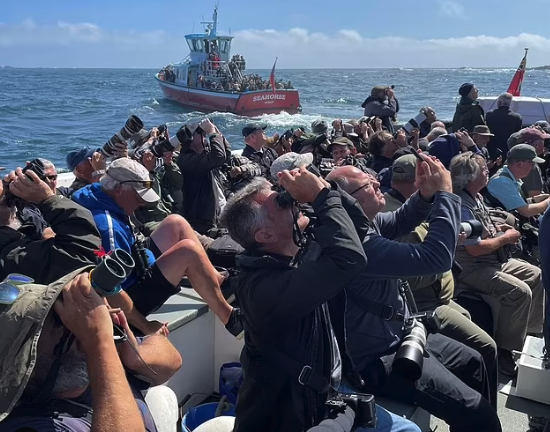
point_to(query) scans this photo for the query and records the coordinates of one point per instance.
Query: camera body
(182, 137)
(35, 166)
(362, 404)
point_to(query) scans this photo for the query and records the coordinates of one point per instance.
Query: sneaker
(506, 364)
(537, 424)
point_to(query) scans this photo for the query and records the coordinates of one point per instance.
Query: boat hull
(531, 109)
(245, 104)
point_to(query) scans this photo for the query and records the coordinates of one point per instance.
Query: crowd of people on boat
(352, 244)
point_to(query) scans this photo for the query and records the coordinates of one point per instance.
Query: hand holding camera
(432, 177)
(301, 184)
(84, 313)
(207, 126)
(28, 186)
(98, 162)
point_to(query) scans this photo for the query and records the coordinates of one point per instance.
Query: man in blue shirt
(505, 186)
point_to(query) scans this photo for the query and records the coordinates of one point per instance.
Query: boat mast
(212, 26)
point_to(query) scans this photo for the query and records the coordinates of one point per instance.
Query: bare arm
(529, 210)
(487, 246)
(115, 408)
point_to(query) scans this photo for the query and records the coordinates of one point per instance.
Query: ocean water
(48, 112)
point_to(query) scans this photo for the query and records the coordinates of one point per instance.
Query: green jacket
(74, 245)
(467, 115)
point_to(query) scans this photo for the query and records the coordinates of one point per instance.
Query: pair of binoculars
(113, 269)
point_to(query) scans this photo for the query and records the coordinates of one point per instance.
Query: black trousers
(454, 385)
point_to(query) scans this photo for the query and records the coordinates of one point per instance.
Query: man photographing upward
(294, 308)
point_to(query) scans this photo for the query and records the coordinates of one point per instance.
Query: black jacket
(200, 172)
(74, 245)
(503, 122)
(369, 335)
(281, 305)
(468, 114)
(386, 110)
(263, 158)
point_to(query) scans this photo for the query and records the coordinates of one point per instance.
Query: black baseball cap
(251, 128)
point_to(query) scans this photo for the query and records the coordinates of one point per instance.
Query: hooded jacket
(468, 114)
(283, 307)
(74, 245)
(370, 336)
(386, 110)
(112, 223)
(201, 190)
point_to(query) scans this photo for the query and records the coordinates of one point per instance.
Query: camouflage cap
(21, 323)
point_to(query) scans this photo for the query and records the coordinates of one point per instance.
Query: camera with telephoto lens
(362, 404)
(35, 166)
(284, 199)
(409, 358)
(112, 270)
(132, 126)
(414, 123)
(472, 228)
(182, 137)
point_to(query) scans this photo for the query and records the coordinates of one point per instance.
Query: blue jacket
(112, 223)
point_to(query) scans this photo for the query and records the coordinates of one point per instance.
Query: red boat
(208, 80)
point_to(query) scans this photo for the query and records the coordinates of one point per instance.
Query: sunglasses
(9, 291)
(52, 177)
(148, 184)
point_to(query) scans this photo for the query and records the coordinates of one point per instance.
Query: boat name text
(269, 97)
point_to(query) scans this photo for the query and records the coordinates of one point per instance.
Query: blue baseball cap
(75, 157)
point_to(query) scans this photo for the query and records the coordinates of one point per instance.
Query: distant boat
(532, 109)
(209, 80)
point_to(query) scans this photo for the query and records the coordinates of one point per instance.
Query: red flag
(272, 75)
(515, 85)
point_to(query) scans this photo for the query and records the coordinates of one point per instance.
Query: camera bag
(222, 251)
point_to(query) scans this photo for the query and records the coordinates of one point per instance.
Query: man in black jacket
(503, 122)
(70, 245)
(200, 162)
(453, 383)
(294, 303)
(256, 148)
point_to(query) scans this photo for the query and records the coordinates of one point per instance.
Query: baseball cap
(349, 129)
(251, 128)
(404, 168)
(22, 322)
(131, 172)
(528, 135)
(76, 157)
(341, 142)
(319, 127)
(289, 161)
(524, 152)
(482, 130)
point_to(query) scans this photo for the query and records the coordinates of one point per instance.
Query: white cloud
(87, 45)
(452, 9)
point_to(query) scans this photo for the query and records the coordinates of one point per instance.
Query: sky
(302, 34)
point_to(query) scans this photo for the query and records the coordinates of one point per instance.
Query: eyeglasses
(9, 291)
(52, 177)
(148, 184)
(360, 188)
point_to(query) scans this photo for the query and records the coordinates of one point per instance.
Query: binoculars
(112, 270)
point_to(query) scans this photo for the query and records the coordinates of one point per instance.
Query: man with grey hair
(293, 301)
(487, 265)
(503, 122)
(436, 133)
(162, 260)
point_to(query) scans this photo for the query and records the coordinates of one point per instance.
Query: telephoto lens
(472, 228)
(107, 277)
(409, 358)
(182, 136)
(132, 126)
